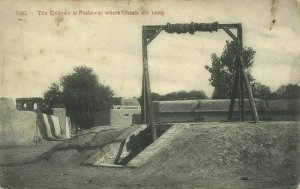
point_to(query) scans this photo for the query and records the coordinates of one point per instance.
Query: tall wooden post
(148, 111)
(143, 102)
(241, 80)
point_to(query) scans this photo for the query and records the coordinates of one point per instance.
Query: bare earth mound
(230, 155)
(203, 155)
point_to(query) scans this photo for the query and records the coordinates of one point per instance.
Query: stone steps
(115, 151)
(155, 147)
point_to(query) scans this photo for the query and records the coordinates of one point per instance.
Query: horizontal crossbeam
(219, 26)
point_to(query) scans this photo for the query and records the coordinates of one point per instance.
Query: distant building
(29, 104)
(126, 103)
(217, 110)
(125, 111)
(27, 125)
(128, 111)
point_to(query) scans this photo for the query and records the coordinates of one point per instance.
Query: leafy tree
(280, 92)
(289, 91)
(156, 96)
(223, 70)
(180, 95)
(82, 96)
(52, 97)
(292, 91)
(260, 91)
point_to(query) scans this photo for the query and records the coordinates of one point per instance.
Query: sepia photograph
(150, 94)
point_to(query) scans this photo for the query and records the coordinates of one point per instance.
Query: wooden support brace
(231, 35)
(153, 36)
(244, 77)
(250, 95)
(234, 90)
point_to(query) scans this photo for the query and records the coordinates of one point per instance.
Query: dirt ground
(203, 155)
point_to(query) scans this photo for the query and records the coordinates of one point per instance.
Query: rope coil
(191, 28)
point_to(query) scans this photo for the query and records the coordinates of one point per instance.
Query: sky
(37, 50)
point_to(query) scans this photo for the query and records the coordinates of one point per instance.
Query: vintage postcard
(149, 94)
